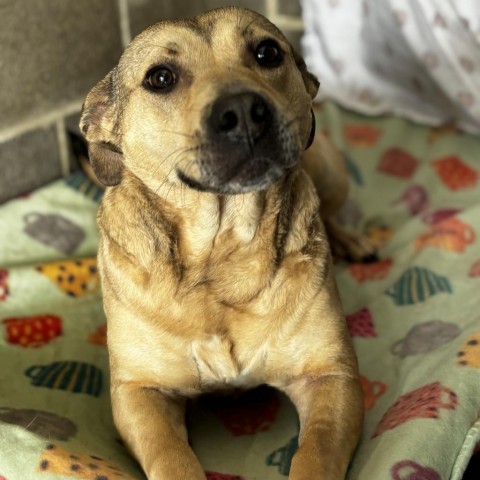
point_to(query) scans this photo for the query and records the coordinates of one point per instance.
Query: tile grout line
(42, 121)
(291, 22)
(63, 149)
(271, 9)
(286, 21)
(125, 30)
(57, 116)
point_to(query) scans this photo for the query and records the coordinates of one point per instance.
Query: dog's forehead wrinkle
(236, 24)
(255, 28)
(171, 47)
(165, 39)
(193, 40)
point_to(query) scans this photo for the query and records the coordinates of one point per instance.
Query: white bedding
(415, 58)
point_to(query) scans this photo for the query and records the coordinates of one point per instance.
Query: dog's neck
(205, 220)
(209, 217)
(196, 238)
(202, 225)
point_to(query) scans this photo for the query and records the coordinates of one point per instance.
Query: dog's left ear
(310, 80)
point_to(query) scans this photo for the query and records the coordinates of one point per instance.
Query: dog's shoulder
(299, 216)
(133, 224)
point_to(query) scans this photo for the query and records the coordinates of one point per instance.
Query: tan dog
(215, 266)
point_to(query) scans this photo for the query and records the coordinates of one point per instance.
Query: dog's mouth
(256, 173)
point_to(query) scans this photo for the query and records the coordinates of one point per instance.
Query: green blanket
(413, 315)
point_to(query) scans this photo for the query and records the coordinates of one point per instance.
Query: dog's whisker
(106, 129)
(160, 164)
(166, 180)
(175, 162)
(188, 135)
(175, 152)
(172, 185)
(189, 110)
(167, 175)
(183, 186)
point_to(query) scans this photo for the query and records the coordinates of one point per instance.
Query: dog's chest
(218, 366)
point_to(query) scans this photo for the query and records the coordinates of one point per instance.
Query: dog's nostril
(240, 117)
(259, 112)
(228, 121)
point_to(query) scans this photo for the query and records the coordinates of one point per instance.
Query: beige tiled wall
(53, 51)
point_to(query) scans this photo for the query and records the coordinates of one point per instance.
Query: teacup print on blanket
(413, 317)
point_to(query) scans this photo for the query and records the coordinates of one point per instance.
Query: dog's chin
(244, 181)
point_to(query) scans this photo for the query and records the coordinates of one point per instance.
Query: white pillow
(416, 58)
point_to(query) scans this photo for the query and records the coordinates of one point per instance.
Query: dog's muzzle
(247, 145)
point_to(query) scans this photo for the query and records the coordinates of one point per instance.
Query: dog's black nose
(241, 117)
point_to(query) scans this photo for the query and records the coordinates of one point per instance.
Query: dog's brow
(245, 29)
(202, 28)
(255, 26)
(172, 48)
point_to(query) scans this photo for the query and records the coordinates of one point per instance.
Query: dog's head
(221, 103)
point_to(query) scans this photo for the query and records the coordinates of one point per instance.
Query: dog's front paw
(309, 464)
(175, 470)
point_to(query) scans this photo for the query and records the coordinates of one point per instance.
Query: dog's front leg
(331, 414)
(153, 426)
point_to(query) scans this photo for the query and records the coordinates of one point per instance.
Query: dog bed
(413, 315)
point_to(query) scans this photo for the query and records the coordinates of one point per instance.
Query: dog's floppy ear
(313, 130)
(310, 80)
(98, 125)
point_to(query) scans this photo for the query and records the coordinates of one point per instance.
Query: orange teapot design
(372, 391)
(451, 234)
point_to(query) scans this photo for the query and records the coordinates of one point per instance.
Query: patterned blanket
(414, 317)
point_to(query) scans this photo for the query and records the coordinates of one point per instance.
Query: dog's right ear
(310, 81)
(98, 124)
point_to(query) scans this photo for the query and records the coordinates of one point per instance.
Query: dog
(214, 259)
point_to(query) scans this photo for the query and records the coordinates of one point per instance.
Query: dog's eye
(269, 54)
(160, 78)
